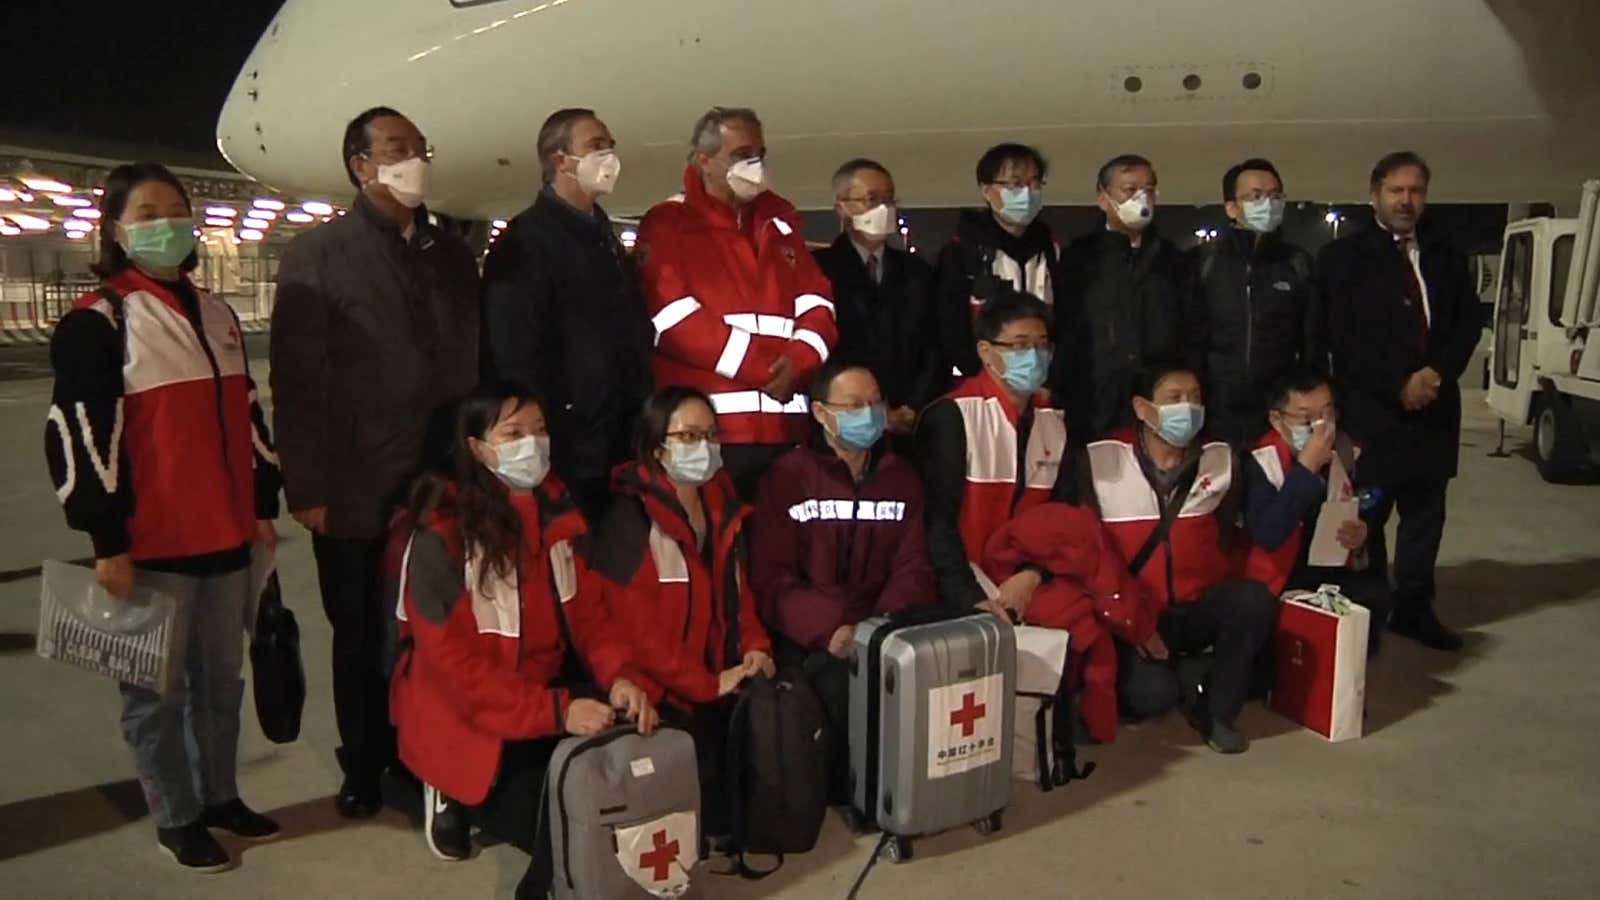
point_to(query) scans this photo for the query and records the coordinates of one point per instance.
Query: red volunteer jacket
(1273, 456)
(729, 294)
(829, 552)
(673, 601)
(1130, 510)
(159, 448)
(480, 654)
(1090, 594)
(992, 458)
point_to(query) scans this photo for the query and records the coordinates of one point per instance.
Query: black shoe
(240, 820)
(193, 847)
(1425, 628)
(444, 824)
(1224, 738)
(358, 800)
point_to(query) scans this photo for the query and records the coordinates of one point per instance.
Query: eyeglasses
(694, 436)
(1329, 416)
(1017, 183)
(852, 406)
(870, 200)
(1024, 344)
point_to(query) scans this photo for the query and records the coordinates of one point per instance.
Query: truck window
(1511, 313)
(1560, 268)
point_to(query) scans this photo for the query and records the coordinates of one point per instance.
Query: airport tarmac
(1476, 779)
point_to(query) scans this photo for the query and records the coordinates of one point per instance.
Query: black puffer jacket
(1118, 310)
(1253, 314)
(968, 277)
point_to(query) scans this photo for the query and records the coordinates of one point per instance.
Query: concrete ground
(1476, 779)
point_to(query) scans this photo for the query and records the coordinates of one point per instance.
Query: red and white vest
(1275, 457)
(1130, 510)
(990, 420)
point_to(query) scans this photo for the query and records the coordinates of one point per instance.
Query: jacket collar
(978, 226)
(846, 249)
(766, 206)
(826, 458)
(550, 203)
(367, 213)
(650, 486)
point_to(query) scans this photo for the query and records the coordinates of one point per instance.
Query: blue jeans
(185, 742)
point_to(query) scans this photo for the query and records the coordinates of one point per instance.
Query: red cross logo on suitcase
(660, 859)
(968, 715)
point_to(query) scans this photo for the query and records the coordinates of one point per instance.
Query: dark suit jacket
(889, 326)
(1375, 334)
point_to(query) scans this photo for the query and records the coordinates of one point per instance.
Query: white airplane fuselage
(1490, 91)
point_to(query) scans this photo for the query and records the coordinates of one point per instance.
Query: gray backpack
(624, 814)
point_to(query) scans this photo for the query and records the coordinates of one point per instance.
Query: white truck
(1544, 363)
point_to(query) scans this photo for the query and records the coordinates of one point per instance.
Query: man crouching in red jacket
(838, 537)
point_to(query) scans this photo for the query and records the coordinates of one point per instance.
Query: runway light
(499, 223)
(219, 222)
(267, 214)
(77, 235)
(99, 192)
(250, 234)
(29, 223)
(87, 213)
(77, 225)
(226, 212)
(24, 196)
(904, 230)
(7, 196)
(317, 208)
(9, 231)
(268, 203)
(256, 224)
(73, 202)
(1332, 217)
(46, 185)
(300, 218)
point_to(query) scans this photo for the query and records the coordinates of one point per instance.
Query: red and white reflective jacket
(481, 656)
(729, 294)
(1192, 559)
(154, 439)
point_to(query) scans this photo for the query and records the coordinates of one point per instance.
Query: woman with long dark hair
(153, 400)
(671, 551)
(505, 645)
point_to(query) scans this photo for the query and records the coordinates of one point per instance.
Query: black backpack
(777, 760)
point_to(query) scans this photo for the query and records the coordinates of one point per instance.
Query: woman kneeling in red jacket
(493, 600)
(670, 549)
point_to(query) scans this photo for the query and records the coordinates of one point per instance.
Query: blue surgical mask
(692, 464)
(1020, 205)
(1026, 369)
(1299, 436)
(1264, 215)
(1180, 422)
(159, 243)
(861, 429)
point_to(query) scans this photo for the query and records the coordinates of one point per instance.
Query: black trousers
(517, 809)
(746, 463)
(1416, 545)
(1235, 619)
(1367, 587)
(349, 578)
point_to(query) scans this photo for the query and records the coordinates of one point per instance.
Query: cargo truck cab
(1544, 368)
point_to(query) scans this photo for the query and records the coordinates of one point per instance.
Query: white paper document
(1325, 547)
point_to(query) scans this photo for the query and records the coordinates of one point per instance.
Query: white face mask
(748, 178)
(880, 221)
(1137, 211)
(523, 463)
(692, 464)
(598, 171)
(407, 180)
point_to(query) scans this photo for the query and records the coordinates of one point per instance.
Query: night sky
(152, 73)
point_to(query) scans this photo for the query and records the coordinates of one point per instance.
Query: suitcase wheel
(898, 849)
(989, 824)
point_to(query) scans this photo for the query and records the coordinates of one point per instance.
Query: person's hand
(625, 695)
(728, 680)
(839, 643)
(314, 520)
(902, 420)
(781, 387)
(1155, 648)
(1353, 534)
(1319, 450)
(994, 607)
(266, 533)
(115, 574)
(1016, 592)
(586, 717)
(1421, 389)
(757, 662)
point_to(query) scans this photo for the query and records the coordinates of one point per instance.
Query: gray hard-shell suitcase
(930, 723)
(624, 814)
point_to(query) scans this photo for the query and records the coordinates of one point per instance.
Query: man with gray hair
(563, 315)
(740, 309)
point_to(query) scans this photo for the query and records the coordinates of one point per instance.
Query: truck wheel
(1557, 442)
